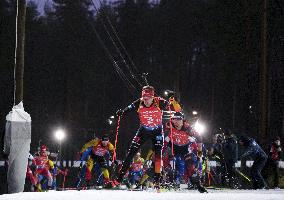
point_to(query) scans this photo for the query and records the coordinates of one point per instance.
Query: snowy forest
(208, 52)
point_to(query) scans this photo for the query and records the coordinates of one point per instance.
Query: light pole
(59, 135)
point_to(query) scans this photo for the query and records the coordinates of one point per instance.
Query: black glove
(115, 162)
(170, 93)
(119, 112)
(81, 165)
(5, 156)
(33, 167)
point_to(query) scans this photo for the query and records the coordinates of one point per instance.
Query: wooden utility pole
(263, 79)
(18, 122)
(212, 113)
(234, 106)
(177, 82)
(19, 51)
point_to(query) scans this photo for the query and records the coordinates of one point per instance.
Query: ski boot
(177, 184)
(117, 183)
(157, 182)
(138, 187)
(126, 182)
(195, 180)
(190, 186)
(201, 189)
(108, 184)
(157, 187)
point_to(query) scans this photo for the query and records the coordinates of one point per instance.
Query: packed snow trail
(147, 195)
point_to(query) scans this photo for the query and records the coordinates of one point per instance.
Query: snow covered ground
(147, 195)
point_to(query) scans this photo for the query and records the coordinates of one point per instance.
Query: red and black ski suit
(151, 128)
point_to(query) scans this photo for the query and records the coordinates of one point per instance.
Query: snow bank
(144, 195)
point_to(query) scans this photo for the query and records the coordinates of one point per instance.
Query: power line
(127, 83)
(114, 43)
(120, 42)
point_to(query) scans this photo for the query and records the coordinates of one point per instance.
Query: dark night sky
(204, 50)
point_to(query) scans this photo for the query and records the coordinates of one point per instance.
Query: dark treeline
(207, 51)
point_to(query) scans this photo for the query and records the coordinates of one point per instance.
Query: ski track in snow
(148, 195)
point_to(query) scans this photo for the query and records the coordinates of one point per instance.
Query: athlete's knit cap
(105, 138)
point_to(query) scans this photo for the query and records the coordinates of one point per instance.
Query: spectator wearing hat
(259, 157)
(230, 150)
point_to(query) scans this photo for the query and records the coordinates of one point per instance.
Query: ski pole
(116, 139)
(171, 131)
(209, 180)
(64, 178)
(243, 175)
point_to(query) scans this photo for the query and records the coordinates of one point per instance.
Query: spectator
(230, 149)
(255, 152)
(274, 158)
